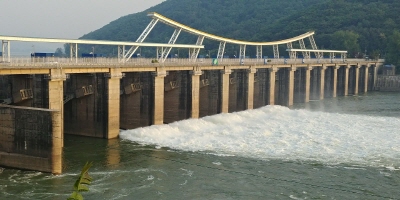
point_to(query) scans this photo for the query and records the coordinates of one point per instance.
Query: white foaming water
(276, 132)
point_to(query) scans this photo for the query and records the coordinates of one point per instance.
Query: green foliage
(81, 184)
(367, 23)
(59, 52)
(375, 55)
(347, 40)
(393, 54)
(237, 19)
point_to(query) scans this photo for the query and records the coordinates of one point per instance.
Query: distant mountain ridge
(233, 19)
(372, 21)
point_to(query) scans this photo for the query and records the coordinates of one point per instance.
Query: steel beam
(292, 54)
(172, 40)
(306, 54)
(343, 56)
(242, 53)
(121, 52)
(259, 52)
(332, 55)
(221, 51)
(318, 55)
(73, 49)
(195, 51)
(141, 38)
(276, 51)
(6, 51)
(160, 51)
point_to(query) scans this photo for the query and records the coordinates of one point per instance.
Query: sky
(61, 18)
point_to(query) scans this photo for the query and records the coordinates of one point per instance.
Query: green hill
(237, 19)
(372, 20)
(365, 26)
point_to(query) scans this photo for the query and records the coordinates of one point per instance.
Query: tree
(393, 47)
(375, 54)
(59, 52)
(346, 40)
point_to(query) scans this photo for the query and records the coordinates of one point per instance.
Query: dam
(44, 98)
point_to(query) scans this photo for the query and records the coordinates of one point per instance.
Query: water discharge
(276, 132)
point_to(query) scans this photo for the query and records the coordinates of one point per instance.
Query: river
(340, 148)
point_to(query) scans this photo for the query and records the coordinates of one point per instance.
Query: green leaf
(75, 196)
(81, 183)
(83, 188)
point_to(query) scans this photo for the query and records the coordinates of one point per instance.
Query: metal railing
(95, 62)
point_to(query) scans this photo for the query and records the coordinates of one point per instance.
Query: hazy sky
(63, 18)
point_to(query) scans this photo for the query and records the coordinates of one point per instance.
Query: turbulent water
(342, 148)
(275, 132)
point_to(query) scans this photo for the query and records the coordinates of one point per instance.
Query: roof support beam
(221, 51)
(160, 51)
(306, 54)
(5, 46)
(259, 52)
(276, 51)
(292, 54)
(141, 38)
(343, 56)
(242, 53)
(172, 40)
(73, 51)
(121, 52)
(195, 51)
(318, 55)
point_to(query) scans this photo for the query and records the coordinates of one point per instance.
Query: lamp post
(33, 53)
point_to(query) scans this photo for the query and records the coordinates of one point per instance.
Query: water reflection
(371, 103)
(113, 154)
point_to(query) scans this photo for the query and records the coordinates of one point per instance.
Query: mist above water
(276, 132)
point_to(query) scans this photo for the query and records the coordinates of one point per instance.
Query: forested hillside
(372, 20)
(237, 19)
(360, 26)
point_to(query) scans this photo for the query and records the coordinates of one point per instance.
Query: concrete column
(250, 86)
(291, 85)
(56, 102)
(335, 77)
(272, 72)
(366, 78)
(225, 90)
(346, 80)
(196, 73)
(114, 93)
(57, 142)
(308, 79)
(322, 83)
(357, 79)
(159, 75)
(375, 75)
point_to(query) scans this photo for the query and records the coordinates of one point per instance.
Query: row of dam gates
(99, 101)
(43, 98)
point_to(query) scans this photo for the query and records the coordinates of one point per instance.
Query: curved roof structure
(188, 29)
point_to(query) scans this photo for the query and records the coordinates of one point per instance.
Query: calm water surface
(342, 148)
